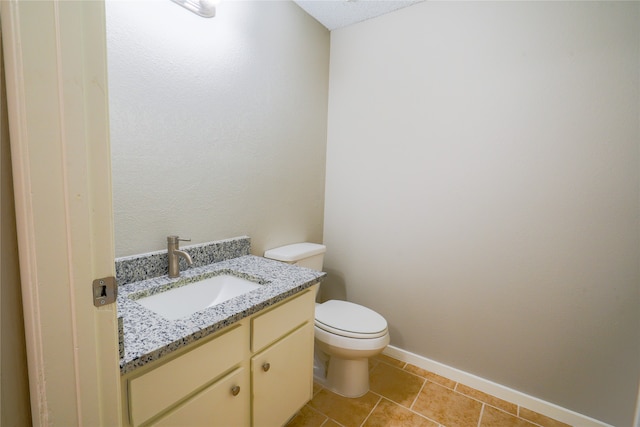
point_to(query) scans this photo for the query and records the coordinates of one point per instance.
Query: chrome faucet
(173, 244)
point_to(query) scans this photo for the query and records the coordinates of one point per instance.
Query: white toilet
(346, 334)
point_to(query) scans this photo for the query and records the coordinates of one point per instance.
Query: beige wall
(218, 126)
(14, 385)
(482, 191)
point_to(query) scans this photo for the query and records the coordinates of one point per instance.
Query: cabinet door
(282, 378)
(158, 389)
(225, 403)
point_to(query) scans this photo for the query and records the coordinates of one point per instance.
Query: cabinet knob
(266, 366)
(235, 390)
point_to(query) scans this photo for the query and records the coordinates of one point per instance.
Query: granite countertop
(148, 336)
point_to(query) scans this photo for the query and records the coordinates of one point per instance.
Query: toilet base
(345, 362)
(346, 377)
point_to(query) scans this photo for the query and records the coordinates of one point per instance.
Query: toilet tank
(309, 255)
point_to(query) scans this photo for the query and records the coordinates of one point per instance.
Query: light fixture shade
(204, 8)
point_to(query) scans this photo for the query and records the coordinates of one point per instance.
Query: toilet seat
(350, 320)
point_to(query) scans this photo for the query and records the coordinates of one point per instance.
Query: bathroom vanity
(245, 362)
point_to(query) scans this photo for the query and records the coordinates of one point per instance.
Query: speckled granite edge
(148, 336)
(155, 264)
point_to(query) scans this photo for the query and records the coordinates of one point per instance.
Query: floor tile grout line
(509, 413)
(393, 401)
(411, 373)
(381, 396)
(407, 408)
(483, 402)
(516, 414)
(481, 413)
(327, 418)
(425, 417)
(371, 411)
(418, 395)
(435, 382)
(402, 362)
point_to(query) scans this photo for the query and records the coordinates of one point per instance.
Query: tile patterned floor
(403, 395)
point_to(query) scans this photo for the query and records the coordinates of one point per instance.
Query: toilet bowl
(346, 334)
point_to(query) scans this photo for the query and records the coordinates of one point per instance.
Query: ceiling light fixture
(204, 8)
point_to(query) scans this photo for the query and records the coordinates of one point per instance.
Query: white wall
(218, 126)
(482, 191)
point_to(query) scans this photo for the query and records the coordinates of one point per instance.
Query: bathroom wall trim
(542, 407)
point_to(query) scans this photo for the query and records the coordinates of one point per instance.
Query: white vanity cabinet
(256, 372)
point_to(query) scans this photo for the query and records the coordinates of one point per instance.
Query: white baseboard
(540, 406)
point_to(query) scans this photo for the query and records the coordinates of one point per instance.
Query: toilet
(346, 334)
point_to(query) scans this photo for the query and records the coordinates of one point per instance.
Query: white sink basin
(185, 300)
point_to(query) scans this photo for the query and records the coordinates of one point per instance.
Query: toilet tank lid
(295, 252)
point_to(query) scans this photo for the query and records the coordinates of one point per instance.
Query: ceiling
(335, 14)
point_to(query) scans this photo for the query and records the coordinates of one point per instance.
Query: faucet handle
(175, 239)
